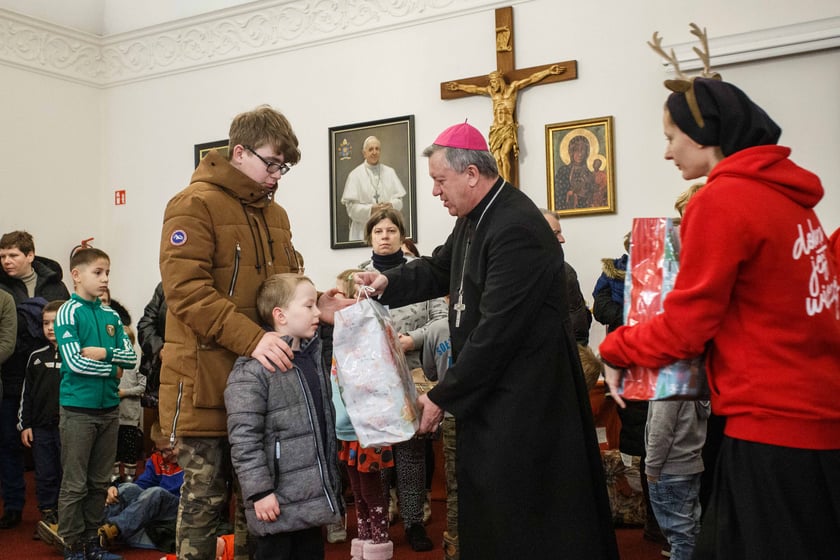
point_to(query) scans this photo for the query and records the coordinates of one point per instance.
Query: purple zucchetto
(463, 136)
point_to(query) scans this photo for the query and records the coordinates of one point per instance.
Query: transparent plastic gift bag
(373, 376)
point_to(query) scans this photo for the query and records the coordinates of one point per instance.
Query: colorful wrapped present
(651, 273)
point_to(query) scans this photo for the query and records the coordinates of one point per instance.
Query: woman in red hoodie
(759, 293)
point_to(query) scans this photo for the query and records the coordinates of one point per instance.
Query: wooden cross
(503, 134)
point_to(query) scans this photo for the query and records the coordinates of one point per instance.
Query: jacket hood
(217, 170)
(47, 267)
(770, 165)
(31, 310)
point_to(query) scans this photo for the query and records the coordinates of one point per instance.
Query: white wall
(149, 127)
(51, 153)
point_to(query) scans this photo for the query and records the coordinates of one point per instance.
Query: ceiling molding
(253, 30)
(774, 42)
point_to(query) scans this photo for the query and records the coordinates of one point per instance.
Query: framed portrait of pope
(372, 166)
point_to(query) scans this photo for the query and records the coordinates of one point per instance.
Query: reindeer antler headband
(713, 112)
(684, 84)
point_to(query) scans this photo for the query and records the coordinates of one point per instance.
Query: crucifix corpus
(502, 86)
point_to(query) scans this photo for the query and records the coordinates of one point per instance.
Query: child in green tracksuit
(94, 349)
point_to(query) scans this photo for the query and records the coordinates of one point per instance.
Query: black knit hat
(729, 118)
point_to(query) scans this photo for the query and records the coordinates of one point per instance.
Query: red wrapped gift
(651, 273)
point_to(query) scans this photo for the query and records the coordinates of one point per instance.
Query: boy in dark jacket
(32, 281)
(281, 428)
(94, 349)
(38, 417)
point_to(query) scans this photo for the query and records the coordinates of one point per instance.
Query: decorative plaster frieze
(252, 30)
(267, 27)
(39, 46)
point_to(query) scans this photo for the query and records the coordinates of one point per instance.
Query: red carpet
(17, 543)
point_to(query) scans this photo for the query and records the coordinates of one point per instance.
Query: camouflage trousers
(450, 536)
(448, 429)
(205, 500)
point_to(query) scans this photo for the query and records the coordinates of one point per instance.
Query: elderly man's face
(372, 151)
(555, 227)
(451, 187)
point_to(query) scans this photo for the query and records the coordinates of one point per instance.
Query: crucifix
(502, 86)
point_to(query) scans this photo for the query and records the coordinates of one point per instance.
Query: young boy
(94, 348)
(281, 428)
(142, 513)
(38, 417)
(674, 438)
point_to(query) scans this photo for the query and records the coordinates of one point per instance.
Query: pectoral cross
(458, 307)
(502, 86)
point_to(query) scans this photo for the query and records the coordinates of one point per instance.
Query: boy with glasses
(222, 236)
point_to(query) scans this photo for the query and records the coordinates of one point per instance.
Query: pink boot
(383, 551)
(357, 549)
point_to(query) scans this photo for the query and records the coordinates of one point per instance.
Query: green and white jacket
(87, 383)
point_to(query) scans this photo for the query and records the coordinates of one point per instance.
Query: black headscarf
(730, 119)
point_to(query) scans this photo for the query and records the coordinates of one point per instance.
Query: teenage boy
(222, 236)
(38, 417)
(94, 349)
(24, 276)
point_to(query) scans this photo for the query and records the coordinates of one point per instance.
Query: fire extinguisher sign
(119, 198)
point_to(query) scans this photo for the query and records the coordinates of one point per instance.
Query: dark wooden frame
(345, 144)
(201, 150)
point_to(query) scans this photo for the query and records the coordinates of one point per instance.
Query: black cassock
(530, 479)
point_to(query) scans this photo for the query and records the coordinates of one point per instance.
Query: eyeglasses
(271, 166)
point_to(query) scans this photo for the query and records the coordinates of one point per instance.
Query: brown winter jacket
(222, 236)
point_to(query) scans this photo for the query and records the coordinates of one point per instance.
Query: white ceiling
(109, 17)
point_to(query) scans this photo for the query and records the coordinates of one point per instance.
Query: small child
(142, 514)
(674, 438)
(364, 466)
(130, 435)
(94, 350)
(282, 431)
(132, 387)
(38, 418)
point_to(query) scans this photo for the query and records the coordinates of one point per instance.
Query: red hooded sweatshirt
(758, 290)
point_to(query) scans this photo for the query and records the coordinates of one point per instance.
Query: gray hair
(368, 140)
(459, 159)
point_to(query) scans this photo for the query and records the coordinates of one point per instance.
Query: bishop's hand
(431, 416)
(372, 279)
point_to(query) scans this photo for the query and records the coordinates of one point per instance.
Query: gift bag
(651, 273)
(373, 376)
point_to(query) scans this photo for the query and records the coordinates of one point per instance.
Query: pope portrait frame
(200, 150)
(581, 187)
(396, 136)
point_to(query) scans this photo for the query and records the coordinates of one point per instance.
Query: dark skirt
(772, 502)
